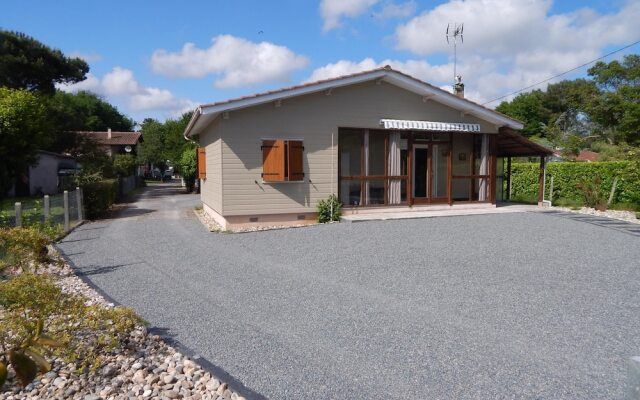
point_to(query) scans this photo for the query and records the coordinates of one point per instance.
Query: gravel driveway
(522, 305)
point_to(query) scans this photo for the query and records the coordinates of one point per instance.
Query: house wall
(211, 187)
(43, 176)
(313, 118)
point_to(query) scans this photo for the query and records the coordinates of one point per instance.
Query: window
(282, 160)
(202, 163)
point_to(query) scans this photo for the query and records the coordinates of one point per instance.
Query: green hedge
(566, 176)
(99, 196)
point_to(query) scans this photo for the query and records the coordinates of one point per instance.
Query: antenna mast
(455, 31)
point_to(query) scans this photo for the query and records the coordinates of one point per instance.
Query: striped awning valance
(429, 125)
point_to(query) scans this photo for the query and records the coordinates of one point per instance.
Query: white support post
(633, 380)
(47, 208)
(66, 210)
(79, 202)
(18, 210)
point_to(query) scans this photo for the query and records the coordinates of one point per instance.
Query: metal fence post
(551, 192)
(18, 209)
(47, 208)
(79, 202)
(66, 210)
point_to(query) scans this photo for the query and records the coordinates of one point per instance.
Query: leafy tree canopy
(23, 131)
(163, 141)
(26, 63)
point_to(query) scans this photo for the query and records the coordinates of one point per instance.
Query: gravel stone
(517, 305)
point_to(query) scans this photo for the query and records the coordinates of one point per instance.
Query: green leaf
(48, 341)
(26, 369)
(3, 374)
(41, 362)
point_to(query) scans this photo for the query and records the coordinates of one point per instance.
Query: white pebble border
(628, 216)
(144, 367)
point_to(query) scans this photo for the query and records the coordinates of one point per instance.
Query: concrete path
(517, 305)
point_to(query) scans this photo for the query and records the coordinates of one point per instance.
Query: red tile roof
(117, 138)
(588, 155)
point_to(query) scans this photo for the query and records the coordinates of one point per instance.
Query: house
(379, 140)
(588, 156)
(46, 176)
(115, 142)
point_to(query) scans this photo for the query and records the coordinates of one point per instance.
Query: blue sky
(158, 58)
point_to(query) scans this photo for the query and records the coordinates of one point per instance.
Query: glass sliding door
(440, 172)
(372, 167)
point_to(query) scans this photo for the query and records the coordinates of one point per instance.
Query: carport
(511, 144)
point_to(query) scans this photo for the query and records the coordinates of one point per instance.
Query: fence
(64, 209)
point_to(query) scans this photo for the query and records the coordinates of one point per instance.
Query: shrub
(38, 318)
(571, 203)
(188, 168)
(23, 248)
(567, 175)
(329, 209)
(99, 196)
(591, 194)
(124, 164)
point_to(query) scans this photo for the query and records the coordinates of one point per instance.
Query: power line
(563, 73)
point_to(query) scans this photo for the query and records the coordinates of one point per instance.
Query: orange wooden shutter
(273, 160)
(296, 165)
(202, 163)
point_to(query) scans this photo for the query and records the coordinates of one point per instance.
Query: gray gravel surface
(522, 305)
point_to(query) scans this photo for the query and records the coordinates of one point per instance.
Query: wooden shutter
(296, 164)
(202, 163)
(273, 160)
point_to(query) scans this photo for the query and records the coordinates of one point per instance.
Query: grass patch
(569, 203)
(524, 199)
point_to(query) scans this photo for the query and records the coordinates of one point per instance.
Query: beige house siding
(313, 118)
(211, 190)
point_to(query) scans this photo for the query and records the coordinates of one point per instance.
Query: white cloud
(120, 85)
(120, 82)
(521, 38)
(333, 10)
(239, 61)
(397, 10)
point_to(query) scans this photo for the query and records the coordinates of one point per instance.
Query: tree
(618, 110)
(531, 109)
(82, 111)
(163, 141)
(188, 166)
(23, 131)
(26, 63)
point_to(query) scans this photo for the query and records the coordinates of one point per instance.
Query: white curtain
(484, 169)
(364, 196)
(394, 168)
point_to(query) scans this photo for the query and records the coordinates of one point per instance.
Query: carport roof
(512, 144)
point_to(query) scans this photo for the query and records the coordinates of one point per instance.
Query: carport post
(509, 178)
(633, 380)
(79, 202)
(541, 177)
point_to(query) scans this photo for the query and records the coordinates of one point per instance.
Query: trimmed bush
(568, 175)
(99, 196)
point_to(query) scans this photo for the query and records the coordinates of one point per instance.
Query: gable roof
(117, 138)
(206, 113)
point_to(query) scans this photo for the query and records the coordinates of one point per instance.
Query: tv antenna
(455, 32)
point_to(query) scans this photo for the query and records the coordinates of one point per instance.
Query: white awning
(429, 125)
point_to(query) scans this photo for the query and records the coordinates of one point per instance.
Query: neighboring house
(588, 156)
(378, 139)
(46, 176)
(115, 142)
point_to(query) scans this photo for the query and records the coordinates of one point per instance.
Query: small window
(282, 160)
(202, 163)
